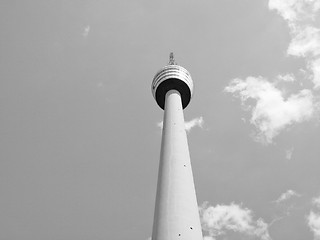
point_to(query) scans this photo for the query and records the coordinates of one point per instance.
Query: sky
(80, 130)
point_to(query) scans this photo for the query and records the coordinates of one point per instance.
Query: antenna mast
(171, 60)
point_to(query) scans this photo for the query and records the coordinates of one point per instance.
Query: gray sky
(80, 140)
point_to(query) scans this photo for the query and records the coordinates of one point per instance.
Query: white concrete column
(176, 212)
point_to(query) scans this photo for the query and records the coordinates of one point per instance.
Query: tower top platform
(172, 76)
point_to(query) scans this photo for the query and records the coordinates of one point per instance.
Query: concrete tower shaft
(176, 214)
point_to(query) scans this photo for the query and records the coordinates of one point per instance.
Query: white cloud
(289, 77)
(286, 8)
(196, 122)
(217, 221)
(313, 220)
(295, 10)
(287, 195)
(271, 112)
(314, 66)
(160, 124)
(316, 202)
(86, 31)
(289, 153)
(301, 16)
(208, 238)
(305, 42)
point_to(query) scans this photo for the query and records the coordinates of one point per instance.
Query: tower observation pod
(176, 215)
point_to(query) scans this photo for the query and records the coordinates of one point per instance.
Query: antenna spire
(171, 60)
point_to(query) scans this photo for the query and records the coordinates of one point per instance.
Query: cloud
(295, 10)
(289, 153)
(289, 77)
(316, 202)
(208, 238)
(271, 112)
(306, 42)
(302, 17)
(314, 66)
(160, 124)
(313, 219)
(86, 31)
(287, 195)
(217, 221)
(196, 122)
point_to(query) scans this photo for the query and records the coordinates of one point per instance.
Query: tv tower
(176, 213)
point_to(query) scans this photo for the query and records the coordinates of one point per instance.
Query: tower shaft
(176, 211)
